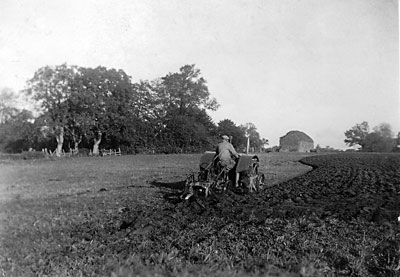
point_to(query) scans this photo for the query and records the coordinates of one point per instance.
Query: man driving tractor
(218, 170)
(226, 153)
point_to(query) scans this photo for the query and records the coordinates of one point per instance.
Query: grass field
(106, 217)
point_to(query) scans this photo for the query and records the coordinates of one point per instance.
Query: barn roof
(298, 136)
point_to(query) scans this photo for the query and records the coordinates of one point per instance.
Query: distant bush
(29, 155)
(7, 156)
(25, 155)
(83, 152)
(133, 150)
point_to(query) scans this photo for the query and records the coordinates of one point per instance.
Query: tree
(17, 133)
(7, 104)
(384, 130)
(104, 96)
(186, 90)
(381, 140)
(148, 112)
(229, 128)
(252, 135)
(52, 87)
(80, 102)
(357, 134)
(181, 102)
(264, 143)
(376, 142)
(43, 135)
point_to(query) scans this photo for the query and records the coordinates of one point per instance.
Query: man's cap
(225, 137)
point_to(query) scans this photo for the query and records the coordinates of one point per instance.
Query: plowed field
(341, 218)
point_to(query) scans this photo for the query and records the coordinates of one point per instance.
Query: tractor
(214, 178)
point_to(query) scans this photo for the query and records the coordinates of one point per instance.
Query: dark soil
(348, 207)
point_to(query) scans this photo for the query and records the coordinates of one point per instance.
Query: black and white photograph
(199, 138)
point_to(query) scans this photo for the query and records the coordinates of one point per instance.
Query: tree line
(96, 108)
(381, 139)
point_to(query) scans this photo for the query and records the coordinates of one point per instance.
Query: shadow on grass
(171, 191)
(172, 185)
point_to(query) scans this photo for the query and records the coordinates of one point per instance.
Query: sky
(318, 66)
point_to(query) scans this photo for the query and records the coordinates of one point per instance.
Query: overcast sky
(318, 66)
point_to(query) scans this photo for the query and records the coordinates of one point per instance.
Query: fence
(111, 152)
(63, 153)
(73, 152)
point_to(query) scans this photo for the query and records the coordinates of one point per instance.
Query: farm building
(296, 141)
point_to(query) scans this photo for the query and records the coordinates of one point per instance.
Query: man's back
(225, 151)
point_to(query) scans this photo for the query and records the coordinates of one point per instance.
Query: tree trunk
(97, 141)
(60, 141)
(76, 143)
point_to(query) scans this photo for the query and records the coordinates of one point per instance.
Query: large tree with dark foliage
(103, 97)
(357, 134)
(78, 101)
(229, 128)
(185, 99)
(144, 128)
(52, 87)
(100, 105)
(186, 90)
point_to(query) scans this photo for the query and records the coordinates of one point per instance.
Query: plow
(213, 178)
